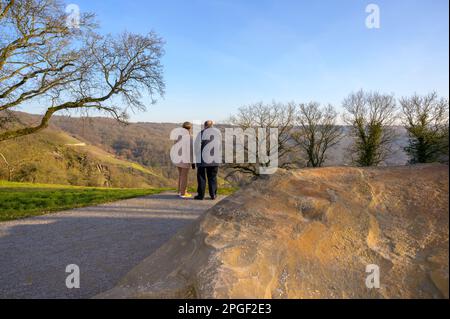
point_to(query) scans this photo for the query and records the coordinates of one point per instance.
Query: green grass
(21, 200)
(221, 190)
(226, 191)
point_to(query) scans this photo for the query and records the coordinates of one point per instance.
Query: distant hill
(145, 143)
(53, 156)
(149, 144)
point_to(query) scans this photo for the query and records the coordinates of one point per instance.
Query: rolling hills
(54, 157)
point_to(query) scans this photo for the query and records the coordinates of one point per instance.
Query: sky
(224, 54)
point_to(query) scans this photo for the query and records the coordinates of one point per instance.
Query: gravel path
(105, 241)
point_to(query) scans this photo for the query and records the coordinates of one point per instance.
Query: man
(207, 169)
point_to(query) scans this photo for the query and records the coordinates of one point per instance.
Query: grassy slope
(107, 157)
(20, 200)
(62, 159)
(111, 159)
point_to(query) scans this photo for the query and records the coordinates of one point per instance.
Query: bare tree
(426, 119)
(44, 59)
(9, 167)
(260, 115)
(371, 116)
(317, 133)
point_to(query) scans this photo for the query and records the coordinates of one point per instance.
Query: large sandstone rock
(310, 234)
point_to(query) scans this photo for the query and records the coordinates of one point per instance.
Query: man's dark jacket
(202, 163)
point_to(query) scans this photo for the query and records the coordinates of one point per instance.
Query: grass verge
(225, 191)
(21, 200)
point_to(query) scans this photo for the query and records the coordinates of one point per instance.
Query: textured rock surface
(310, 234)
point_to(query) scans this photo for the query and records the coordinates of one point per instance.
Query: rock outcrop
(310, 234)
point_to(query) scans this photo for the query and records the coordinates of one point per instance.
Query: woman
(183, 168)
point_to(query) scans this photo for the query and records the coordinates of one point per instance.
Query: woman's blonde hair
(187, 125)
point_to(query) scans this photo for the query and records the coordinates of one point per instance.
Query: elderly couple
(205, 171)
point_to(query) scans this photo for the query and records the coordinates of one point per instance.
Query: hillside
(310, 234)
(146, 143)
(149, 144)
(52, 156)
(133, 155)
(144, 147)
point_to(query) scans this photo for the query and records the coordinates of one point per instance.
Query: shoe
(213, 197)
(198, 198)
(186, 196)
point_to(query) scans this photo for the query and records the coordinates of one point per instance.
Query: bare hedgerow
(426, 119)
(372, 117)
(317, 133)
(261, 115)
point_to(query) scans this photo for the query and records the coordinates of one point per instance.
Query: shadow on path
(105, 241)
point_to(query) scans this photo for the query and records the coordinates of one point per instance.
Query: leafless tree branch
(41, 58)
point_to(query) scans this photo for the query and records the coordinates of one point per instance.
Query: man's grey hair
(209, 124)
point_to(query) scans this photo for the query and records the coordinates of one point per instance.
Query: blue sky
(222, 54)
